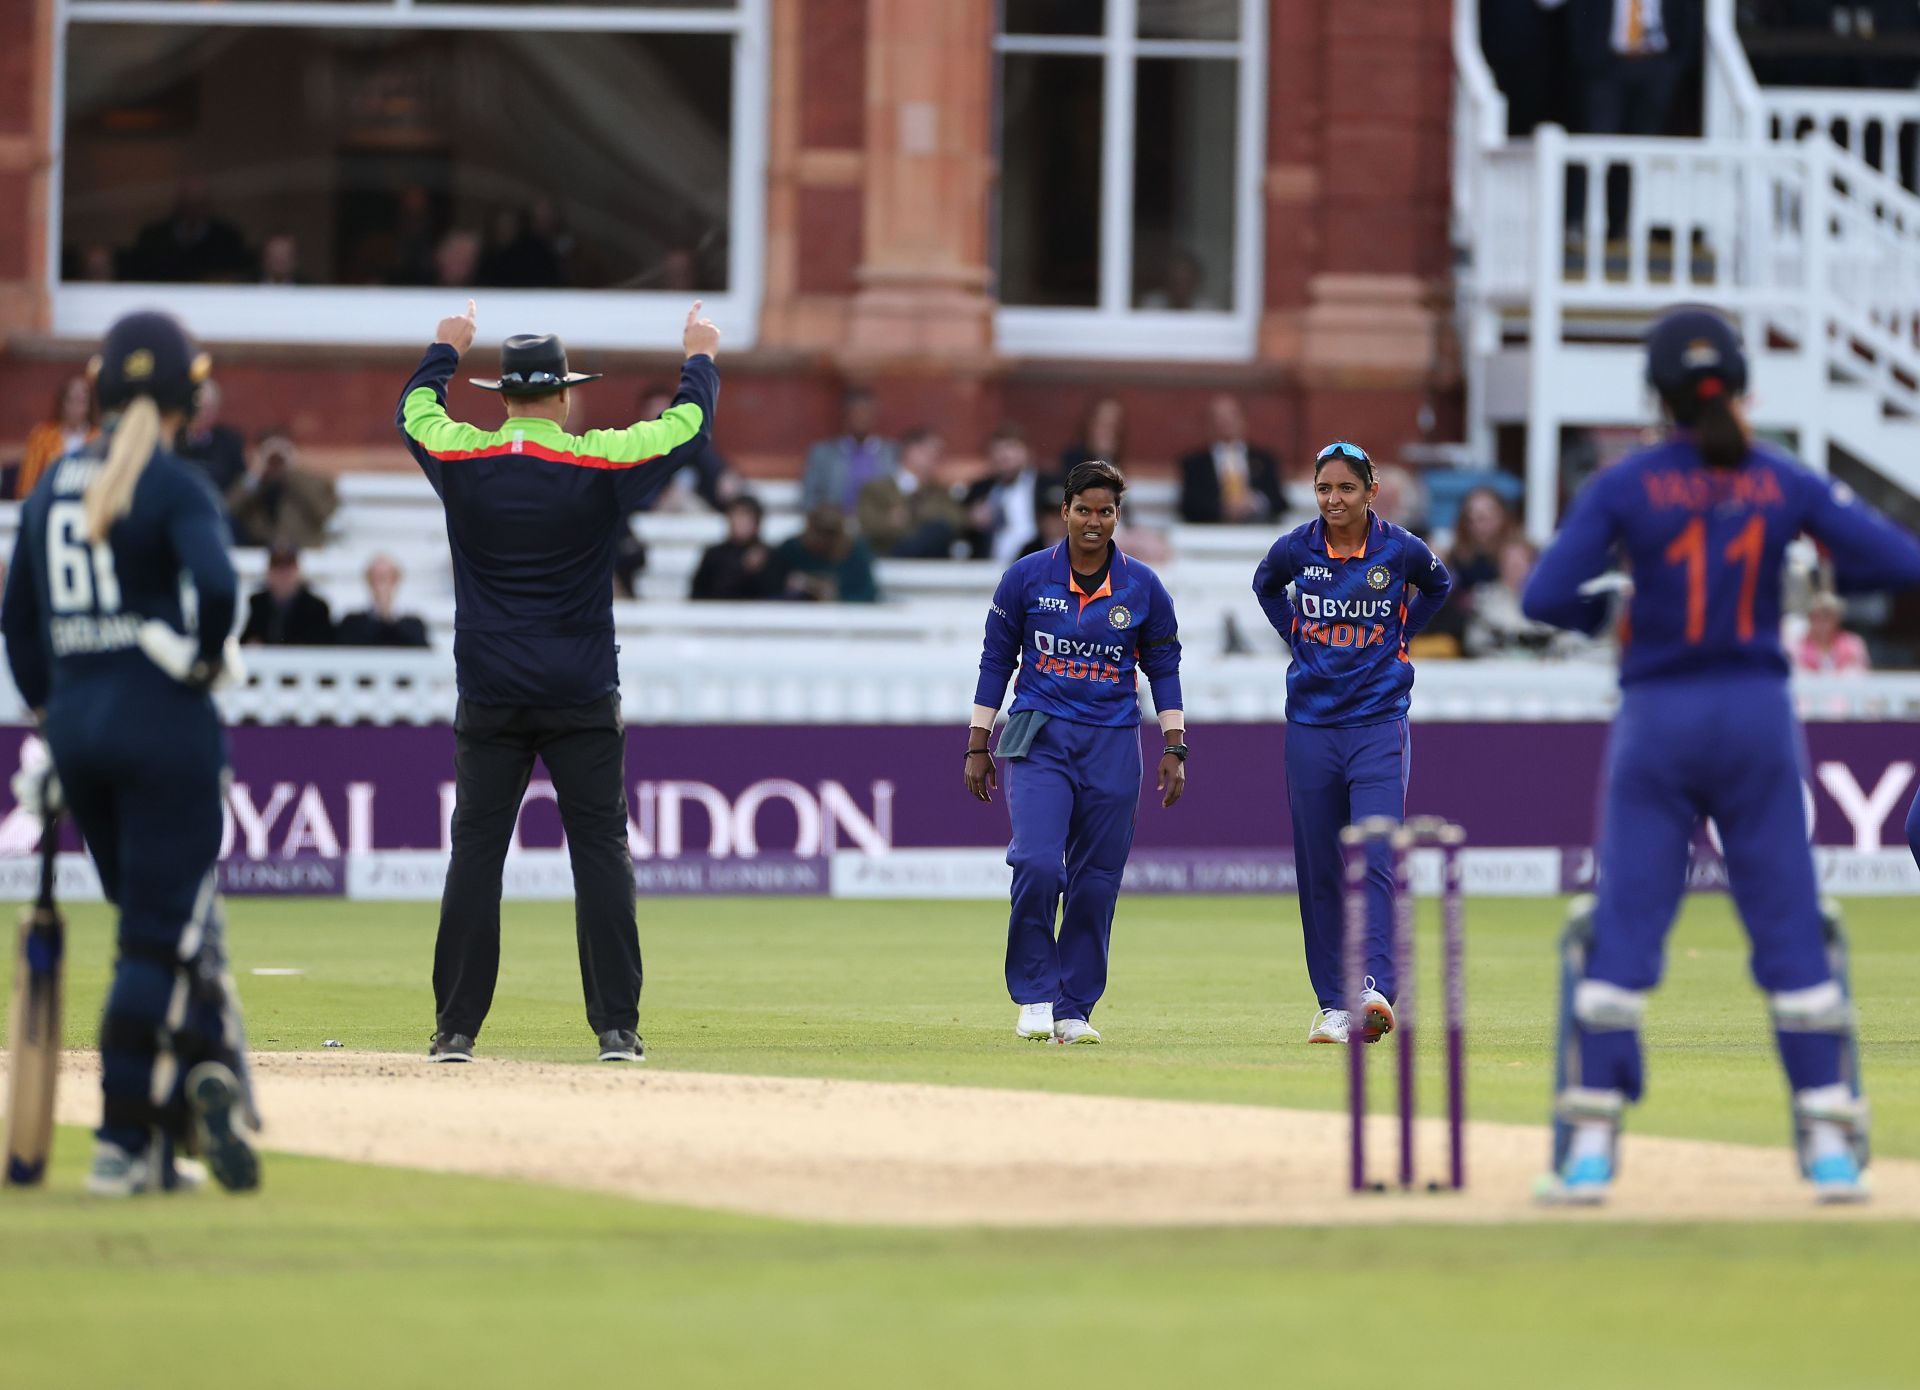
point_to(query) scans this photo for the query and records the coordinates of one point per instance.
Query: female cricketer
(118, 605)
(1706, 730)
(1081, 619)
(1362, 588)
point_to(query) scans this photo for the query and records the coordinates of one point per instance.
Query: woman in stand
(1080, 619)
(1362, 587)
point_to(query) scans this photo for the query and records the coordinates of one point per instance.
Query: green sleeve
(646, 440)
(428, 425)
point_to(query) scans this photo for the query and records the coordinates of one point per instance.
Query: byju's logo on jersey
(1119, 616)
(1316, 572)
(1378, 578)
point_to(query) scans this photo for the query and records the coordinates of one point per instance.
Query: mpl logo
(1051, 605)
(1316, 572)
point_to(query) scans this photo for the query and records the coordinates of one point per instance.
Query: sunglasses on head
(1340, 449)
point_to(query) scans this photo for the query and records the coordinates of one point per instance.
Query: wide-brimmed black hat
(533, 364)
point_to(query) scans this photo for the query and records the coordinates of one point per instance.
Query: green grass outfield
(366, 1277)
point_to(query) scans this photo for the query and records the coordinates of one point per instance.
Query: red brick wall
(833, 74)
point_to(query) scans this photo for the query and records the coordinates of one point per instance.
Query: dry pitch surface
(888, 1154)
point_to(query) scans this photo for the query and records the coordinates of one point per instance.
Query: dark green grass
(339, 1275)
(1207, 1001)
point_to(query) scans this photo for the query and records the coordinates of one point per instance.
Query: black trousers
(584, 749)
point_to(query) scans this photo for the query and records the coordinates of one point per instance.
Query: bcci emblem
(1378, 578)
(1119, 616)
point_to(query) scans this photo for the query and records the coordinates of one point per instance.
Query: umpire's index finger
(693, 314)
(470, 309)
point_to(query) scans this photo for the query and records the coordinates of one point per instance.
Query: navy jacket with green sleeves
(1079, 654)
(533, 517)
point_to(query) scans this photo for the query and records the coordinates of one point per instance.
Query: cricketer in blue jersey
(1079, 620)
(1362, 588)
(1707, 731)
(118, 606)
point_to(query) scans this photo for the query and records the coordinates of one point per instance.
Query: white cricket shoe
(1329, 1026)
(1068, 1031)
(117, 1173)
(1036, 1022)
(1376, 1014)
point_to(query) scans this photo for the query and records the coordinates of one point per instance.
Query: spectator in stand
(548, 225)
(1402, 498)
(516, 256)
(912, 515)
(825, 564)
(1004, 507)
(1103, 436)
(1629, 58)
(704, 478)
(96, 264)
(743, 566)
(838, 468)
(380, 624)
(73, 422)
(217, 449)
(190, 244)
(456, 260)
(404, 254)
(280, 503)
(287, 613)
(1827, 646)
(1498, 627)
(1050, 523)
(1230, 481)
(280, 260)
(1182, 285)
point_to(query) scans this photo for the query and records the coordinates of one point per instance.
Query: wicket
(1403, 837)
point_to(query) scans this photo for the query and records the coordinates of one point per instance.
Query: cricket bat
(33, 1041)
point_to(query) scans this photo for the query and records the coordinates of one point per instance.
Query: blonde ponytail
(110, 495)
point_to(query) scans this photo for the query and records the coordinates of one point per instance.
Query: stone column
(26, 85)
(923, 279)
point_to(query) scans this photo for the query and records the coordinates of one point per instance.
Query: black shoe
(213, 1094)
(450, 1047)
(618, 1045)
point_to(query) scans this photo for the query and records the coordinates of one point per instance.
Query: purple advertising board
(770, 800)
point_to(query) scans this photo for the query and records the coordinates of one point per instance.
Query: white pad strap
(1822, 1008)
(1607, 1008)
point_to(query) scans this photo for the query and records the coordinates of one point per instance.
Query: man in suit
(838, 468)
(1230, 481)
(534, 515)
(287, 613)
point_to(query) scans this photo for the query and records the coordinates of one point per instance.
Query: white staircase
(1794, 214)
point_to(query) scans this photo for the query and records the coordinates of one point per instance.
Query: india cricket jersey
(1079, 654)
(1706, 548)
(1349, 619)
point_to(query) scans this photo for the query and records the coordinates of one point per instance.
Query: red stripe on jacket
(526, 448)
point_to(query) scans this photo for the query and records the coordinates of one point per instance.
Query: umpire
(533, 518)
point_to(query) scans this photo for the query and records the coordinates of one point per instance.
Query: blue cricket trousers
(1073, 797)
(143, 771)
(1913, 827)
(1334, 778)
(1727, 748)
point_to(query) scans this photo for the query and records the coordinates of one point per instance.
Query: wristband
(977, 753)
(1179, 750)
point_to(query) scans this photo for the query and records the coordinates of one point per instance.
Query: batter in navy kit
(1707, 731)
(118, 605)
(534, 515)
(1080, 620)
(1362, 588)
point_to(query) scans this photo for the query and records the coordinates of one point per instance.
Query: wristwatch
(1179, 750)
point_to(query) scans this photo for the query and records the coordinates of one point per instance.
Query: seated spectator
(1827, 646)
(838, 468)
(190, 243)
(704, 479)
(379, 625)
(1498, 627)
(218, 449)
(287, 613)
(515, 255)
(912, 515)
(1230, 480)
(1103, 436)
(280, 503)
(1003, 507)
(456, 260)
(1050, 524)
(1402, 498)
(742, 566)
(280, 260)
(72, 423)
(825, 564)
(1484, 528)
(1182, 285)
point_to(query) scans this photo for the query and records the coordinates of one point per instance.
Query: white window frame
(374, 315)
(1115, 329)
